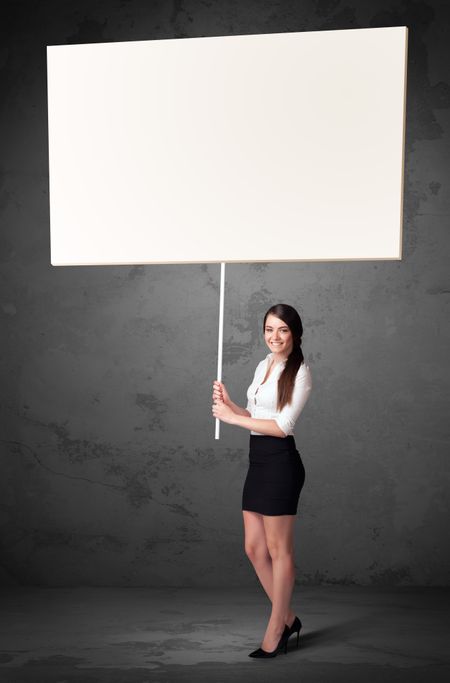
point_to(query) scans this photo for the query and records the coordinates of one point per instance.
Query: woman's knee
(280, 551)
(256, 552)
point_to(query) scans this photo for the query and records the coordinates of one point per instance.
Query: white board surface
(274, 147)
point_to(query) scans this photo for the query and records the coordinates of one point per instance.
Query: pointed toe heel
(282, 645)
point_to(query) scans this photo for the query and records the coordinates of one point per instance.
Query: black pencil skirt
(275, 476)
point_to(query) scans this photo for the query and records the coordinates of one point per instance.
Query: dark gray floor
(130, 635)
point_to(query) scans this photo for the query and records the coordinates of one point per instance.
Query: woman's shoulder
(261, 364)
(304, 373)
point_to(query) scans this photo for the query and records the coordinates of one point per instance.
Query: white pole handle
(220, 345)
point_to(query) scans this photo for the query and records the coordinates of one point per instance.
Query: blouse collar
(271, 354)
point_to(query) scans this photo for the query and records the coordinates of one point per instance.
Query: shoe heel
(295, 628)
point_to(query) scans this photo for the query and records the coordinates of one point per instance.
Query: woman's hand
(223, 412)
(220, 393)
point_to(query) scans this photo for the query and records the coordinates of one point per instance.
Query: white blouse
(262, 398)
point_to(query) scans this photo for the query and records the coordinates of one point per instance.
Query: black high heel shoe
(282, 644)
(296, 626)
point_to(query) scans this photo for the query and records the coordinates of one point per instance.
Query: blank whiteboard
(276, 147)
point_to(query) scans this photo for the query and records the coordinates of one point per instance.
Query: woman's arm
(220, 393)
(268, 427)
(226, 413)
(238, 410)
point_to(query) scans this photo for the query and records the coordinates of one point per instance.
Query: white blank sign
(278, 147)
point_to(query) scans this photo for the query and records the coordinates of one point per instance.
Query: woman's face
(278, 336)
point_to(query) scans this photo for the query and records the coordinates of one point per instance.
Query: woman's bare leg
(258, 554)
(279, 537)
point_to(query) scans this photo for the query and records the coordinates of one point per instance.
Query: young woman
(279, 390)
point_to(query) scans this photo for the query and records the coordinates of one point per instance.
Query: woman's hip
(275, 454)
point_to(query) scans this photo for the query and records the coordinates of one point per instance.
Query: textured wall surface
(110, 473)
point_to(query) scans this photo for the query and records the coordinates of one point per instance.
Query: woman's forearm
(268, 427)
(238, 410)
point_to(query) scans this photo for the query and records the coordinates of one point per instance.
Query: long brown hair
(286, 381)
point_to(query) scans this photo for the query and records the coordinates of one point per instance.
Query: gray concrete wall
(110, 473)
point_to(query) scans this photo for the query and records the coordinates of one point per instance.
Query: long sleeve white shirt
(262, 398)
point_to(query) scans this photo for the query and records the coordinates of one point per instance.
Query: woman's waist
(265, 444)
